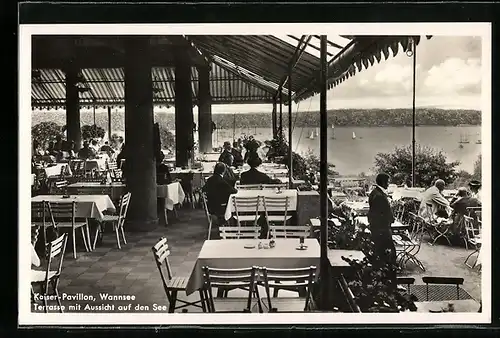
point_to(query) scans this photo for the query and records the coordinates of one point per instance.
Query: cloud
(454, 76)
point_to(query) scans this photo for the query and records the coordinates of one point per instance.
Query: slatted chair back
(94, 179)
(248, 206)
(124, 204)
(116, 175)
(93, 191)
(62, 173)
(276, 204)
(111, 165)
(237, 232)
(78, 168)
(472, 230)
(64, 211)
(55, 256)
(224, 278)
(207, 213)
(301, 278)
(443, 281)
(290, 231)
(249, 186)
(61, 186)
(275, 186)
(349, 295)
(161, 252)
(41, 213)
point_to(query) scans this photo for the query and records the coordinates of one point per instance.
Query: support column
(73, 130)
(183, 109)
(281, 113)
(274, 118)
(204, 110)
(109, 125)
(140, 161)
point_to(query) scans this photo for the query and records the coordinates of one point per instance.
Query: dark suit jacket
(237, 158)
(380, 214)
(253, 176)
(218, 191)
(460, 206)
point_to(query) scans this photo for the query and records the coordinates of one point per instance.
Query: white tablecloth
(291, 193)
(173, 194)
(231, 254)
(33, 177)
(56, 169)
(98, 163)
(87, 206)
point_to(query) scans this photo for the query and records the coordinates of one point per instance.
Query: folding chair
(207, 214)
(473, 237)
(172, 284)
(42, 279)
(408, 281)
(41, 217)
(232, 232)
(246, 209)
(300, 278)
(279, 205)
(117, 221)
(229, 279)
(65, 217)
(61, 187)
(249, 186)
(275, 186)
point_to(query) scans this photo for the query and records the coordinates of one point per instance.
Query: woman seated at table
(253, 176)
(86, 152)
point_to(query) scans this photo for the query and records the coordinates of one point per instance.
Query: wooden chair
(116, 220)
(41, 217)
(172, 284)
(408, 281)
(281, 205)
(65, 217)
(408, 243)
(300, 278)
(229, 279)
(473, 237)
(443, 281)
(351, 300)
(207, 214)
(232, 232)
(246, 209)
(42, 279)
(61, 187)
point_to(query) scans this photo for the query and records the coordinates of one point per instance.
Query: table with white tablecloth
(290, 193)
(232, 254)
(55, 170)
(87, 206)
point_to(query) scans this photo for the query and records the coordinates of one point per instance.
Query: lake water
(353, 156)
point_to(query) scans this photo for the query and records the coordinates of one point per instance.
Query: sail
(353, 135)
(316, 132)
(312, 135)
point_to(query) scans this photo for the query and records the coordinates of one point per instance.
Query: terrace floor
(132, 270)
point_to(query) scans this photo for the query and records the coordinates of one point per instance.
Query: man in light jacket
(433, 201)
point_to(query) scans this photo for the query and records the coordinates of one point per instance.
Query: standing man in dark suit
(218, 190)
(380, 218)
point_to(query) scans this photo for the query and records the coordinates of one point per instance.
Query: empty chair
(249, 186)
(276, 210)
(210, 217)
(246, 209)
(407, 281)
(116, 220)
(294, 280)
(61, 187)
(41, 217)
(50, 277)
(275, 186)
(290, 231)
(65, 217)
(172, 284)
(472, 237)
(237, 232)
(229, 279)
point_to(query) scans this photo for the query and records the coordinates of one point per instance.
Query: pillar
(109, 125)
(140, 160)
(73, 130)
(275, 121)
(204, 110)
(183, 109)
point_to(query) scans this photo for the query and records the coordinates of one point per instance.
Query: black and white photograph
(255, 173)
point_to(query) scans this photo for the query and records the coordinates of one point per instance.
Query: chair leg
(97, 231)
(117, 236)
(209, 228)
(87, 230)
(73, 238)
(173, 300)
(202, 298)
(123, 235)
(84, 237)
(54, 286)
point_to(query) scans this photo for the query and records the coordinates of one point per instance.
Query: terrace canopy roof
(244, 68)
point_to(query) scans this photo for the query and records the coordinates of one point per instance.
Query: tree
(430, 164)
(45, 132)
(167, 138)
(92, 131)
(477, 168)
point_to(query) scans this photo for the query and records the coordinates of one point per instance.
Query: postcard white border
(26, 317)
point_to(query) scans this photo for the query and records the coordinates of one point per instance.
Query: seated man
(107, 148)
(218, 190)
(86, 152)
(237, 158)
(226, 156)
(434, 197)
(253, 176)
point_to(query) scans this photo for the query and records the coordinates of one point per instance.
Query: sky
(448, 76)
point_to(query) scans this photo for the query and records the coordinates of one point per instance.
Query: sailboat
(353, 135)
(478, 142)
(316, 132)
(311, 137)
(333, 132)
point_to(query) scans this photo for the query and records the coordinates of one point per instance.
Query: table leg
(162, 211)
